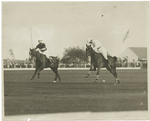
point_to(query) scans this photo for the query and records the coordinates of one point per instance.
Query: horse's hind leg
(114, 73)
(38, 75)
(56, 74)
(116, 76)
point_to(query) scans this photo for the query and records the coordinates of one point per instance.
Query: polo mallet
(31, 36)
(126, 36)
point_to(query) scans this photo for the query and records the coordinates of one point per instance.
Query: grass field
(75, 93)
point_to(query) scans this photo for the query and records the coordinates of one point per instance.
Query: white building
(135, 54)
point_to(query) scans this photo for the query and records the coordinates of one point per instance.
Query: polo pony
(98, 61)
(41, 62)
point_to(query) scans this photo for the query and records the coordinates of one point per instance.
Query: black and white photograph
(74, 60)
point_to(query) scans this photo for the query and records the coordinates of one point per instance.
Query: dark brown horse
(41, 62)
(98, 61)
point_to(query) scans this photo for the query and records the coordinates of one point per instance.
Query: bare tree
(11, 53)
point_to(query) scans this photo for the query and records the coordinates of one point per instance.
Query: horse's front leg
(40, 69)
(38, 75)
(88, 74)
(97, 74)
(34, 74)
(92, 68)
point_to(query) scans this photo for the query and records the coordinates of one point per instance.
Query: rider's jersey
(96, 44)
(41, 46)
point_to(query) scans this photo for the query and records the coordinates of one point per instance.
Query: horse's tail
(115, 58)
(57, 60)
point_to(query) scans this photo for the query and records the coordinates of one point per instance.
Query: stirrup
(52, 65)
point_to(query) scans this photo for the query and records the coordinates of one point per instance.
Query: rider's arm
(37, 48)
(94, 46)
(97, 44)
(95, 49)
(43, 48)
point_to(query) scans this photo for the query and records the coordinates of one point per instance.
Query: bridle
(31, 54)
(88, 50)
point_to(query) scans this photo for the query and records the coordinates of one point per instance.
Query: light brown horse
(98, 61)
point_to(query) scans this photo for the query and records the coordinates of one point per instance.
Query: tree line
(74, 55)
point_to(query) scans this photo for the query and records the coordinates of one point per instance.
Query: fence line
(133, 65)
(120, 68)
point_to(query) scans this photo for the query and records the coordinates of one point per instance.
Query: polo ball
(54, 81)
(103, 80)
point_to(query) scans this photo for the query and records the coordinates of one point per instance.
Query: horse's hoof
(96, 81)
(86, 76)
(32, 78)
(93, 70)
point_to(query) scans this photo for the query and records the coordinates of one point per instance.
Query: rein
(92, 53)
(36, 54)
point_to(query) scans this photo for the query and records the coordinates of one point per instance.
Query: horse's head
(32, 53)
(89, 50)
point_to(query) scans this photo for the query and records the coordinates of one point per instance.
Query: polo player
(98, 48)
(41, 47)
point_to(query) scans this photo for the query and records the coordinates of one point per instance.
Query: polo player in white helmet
(98, 47)
(41, 47)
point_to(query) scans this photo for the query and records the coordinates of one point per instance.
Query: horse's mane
(96, 52)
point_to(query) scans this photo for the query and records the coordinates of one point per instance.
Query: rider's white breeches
(44, 53)
(103, 51)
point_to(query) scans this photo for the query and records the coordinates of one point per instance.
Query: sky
(69, 24)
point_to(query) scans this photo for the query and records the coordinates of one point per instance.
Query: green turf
(75, 93)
